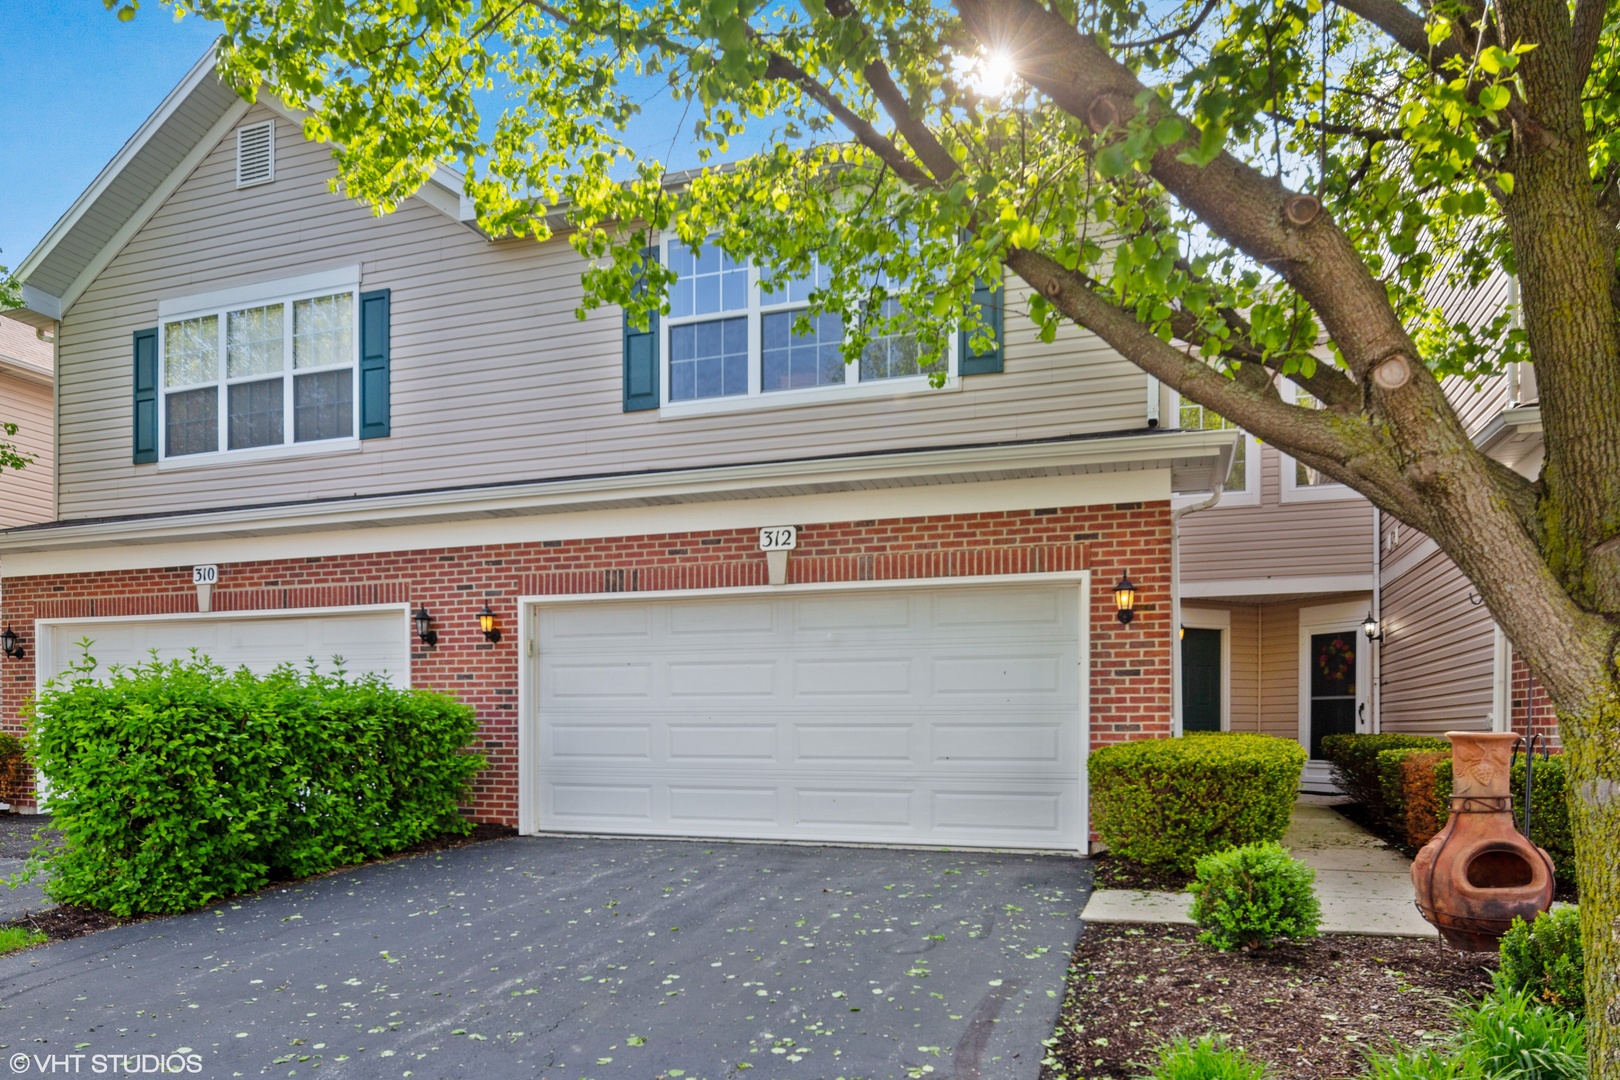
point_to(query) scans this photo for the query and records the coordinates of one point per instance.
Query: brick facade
(1130, 664)
(1531, 709)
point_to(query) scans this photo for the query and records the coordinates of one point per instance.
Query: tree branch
(1586, 31)
(1171, 35)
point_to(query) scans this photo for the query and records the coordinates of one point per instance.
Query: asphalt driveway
(570, 958)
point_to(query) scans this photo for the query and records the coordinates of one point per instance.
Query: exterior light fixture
(1182, 633)
(1125, 599)
(424, 622)
(1369, 626)
(486, 624)
(8, 643)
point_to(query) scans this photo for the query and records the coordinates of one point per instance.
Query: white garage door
(368, 641)
(890, 715)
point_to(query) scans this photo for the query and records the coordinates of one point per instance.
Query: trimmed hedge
(1355, 762)
(1168, 802)
(1549, 818)
(1391, 768)
(1418, 794)
(176, 784)
(1545, 959)
(13, 766)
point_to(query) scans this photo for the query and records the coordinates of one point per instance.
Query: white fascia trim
(1513, 420)
(203, 68)
(1279, 586)
(24, 372)
(42, 303)
(1143, 452)
(154, 202)
(263, 292)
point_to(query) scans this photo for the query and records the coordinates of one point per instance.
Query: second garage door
(943, 715)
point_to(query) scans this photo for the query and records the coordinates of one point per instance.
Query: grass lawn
(13, 938)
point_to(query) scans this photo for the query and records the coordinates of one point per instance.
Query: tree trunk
(1592, 756)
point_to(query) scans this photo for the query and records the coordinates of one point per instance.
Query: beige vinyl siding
(493, 376)
(26, 494)
(1438, 652)
(1277, 539)
(1264, 654)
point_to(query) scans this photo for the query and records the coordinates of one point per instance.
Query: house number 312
(779, 538)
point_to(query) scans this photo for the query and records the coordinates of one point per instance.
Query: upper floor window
(1197, 417)
(727, 336)
(1302, 482)
(242, 375)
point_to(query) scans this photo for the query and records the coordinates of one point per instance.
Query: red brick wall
(1531, 710)
(1130, 690)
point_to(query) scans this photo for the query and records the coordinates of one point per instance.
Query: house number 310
(204, 575)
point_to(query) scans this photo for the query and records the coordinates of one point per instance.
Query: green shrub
(1544, 958)
(1549, 816)
(175, 784)
(1208, 1058)
(1355, 762)
(1505, 1035)
(1417, 776)
(1390, 766)
(1166, 802)
(1249, 896)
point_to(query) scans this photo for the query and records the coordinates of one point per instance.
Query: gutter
(28, 373)
(1175, 600)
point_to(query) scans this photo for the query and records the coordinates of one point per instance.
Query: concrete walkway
(1363, 886)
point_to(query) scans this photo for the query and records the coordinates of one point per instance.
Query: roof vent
(256, 154)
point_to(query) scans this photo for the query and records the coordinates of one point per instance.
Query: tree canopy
(1234, 194)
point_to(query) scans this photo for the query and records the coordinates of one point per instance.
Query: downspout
(1377, 658)
(1175, 601)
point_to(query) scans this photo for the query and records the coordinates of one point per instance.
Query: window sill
(1229, 500)
(816, 395)
(260, 453)
(1318, 493)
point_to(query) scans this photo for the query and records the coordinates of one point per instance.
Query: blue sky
(76, 83)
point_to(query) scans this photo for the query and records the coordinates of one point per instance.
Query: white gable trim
(199, 71)
(153, 203)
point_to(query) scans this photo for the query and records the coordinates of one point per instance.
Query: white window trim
(851, 389)
(1291, 490)
(285, 291)
(1210, 619)
(1250, 495)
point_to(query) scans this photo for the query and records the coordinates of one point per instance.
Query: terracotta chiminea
(1478, 872)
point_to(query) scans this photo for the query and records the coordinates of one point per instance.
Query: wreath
(1337, 660)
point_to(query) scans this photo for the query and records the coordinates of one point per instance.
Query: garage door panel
(909, 715)
(368, 642)
(585, 742)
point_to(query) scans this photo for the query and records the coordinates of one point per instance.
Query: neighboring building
(1277, 578)
(354, 420)
(27, 495)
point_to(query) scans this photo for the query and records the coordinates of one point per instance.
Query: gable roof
(158, 157)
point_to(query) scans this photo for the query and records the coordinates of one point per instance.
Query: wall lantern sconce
(1125, 599)
(486, 624)
(8, 643)
(1181, 635)
(424, 622)
(1369, 626)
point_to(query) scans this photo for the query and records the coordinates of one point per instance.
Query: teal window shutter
(146, 392)
(989, 299)
(374, 363)
(641, 359)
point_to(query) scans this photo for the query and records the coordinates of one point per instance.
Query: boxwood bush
(1167, 802)
(1545, 960)
(175, 784)
(1549, 814)
(1355, 763)
(1247, 897)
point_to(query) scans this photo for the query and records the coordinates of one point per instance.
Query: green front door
(1200, 680)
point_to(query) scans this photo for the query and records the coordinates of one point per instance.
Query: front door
(1331, 660)
(1200, 680)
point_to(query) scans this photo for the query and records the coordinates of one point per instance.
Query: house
(1305, 611)
(289, 428)
(27, 495)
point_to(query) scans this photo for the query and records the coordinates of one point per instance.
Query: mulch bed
(67, 921)
(1110, 871)
(1311, 1009)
